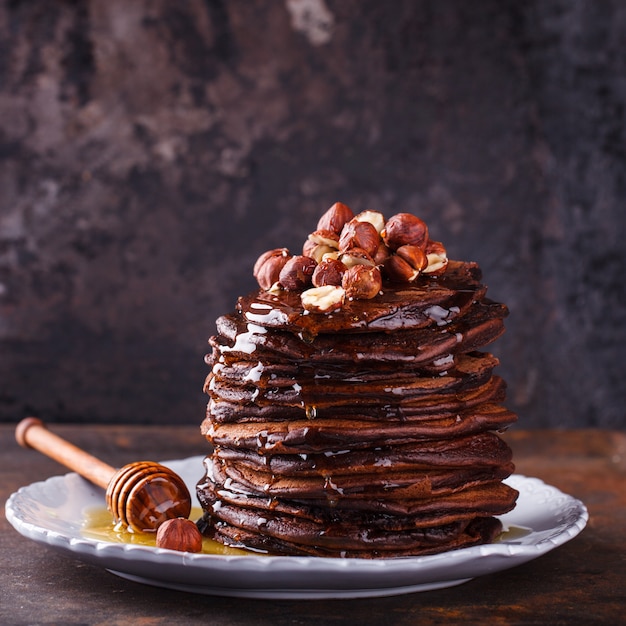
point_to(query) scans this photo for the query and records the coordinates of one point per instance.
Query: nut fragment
(362, 282)
(323, 299)
(335, 218)
(179, 534)
(268, 266)
(362, 235)
(297, 272)
(328, 272)
(405, 228)
(437, 258)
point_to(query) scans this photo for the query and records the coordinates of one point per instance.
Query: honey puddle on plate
(512, 534)
(99, 526)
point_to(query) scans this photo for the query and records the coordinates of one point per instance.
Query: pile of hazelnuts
(348, 256)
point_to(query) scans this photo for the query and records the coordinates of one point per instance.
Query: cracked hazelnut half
(437, 258)
(325, 299)
(406, 264)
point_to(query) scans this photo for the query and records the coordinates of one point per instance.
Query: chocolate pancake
(364, 425)
(410, 543)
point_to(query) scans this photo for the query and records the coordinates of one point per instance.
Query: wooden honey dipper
(140, 495)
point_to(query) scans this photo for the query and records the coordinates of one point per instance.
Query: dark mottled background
(150, 150)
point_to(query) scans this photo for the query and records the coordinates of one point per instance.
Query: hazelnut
(362, 282)
(335, 218)
(398, 270)
(382, 254)
(362, 235)
(325, 237)
(328, 272)
(323, 299)
(316, 251)
(356, 256)
(414, 256)
(268, 266)
(436, 257)
(376, 218)
(405, 228)
(297, 272)
(179, 534)
(319, 243)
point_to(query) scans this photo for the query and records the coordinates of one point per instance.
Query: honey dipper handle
(33, 433)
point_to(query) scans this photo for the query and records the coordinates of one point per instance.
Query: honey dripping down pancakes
(353, 411)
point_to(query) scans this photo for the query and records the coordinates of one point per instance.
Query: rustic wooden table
(583, 581)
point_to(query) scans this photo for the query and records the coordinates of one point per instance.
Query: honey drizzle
(99, 525)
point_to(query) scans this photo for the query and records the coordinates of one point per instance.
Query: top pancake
(430, 300)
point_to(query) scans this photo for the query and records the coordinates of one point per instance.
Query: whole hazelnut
(361, 282)
(268, 266)
(362, 235)
(405, 228)
(179, 534)
(324, 299)
(335, 218)
(436, 257)
(297, 272)
(328, 272)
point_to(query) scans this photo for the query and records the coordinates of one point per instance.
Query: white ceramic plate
(53, 513)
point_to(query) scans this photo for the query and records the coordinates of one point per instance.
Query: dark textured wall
(150, 150)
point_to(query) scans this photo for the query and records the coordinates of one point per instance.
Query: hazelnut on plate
(179, 534)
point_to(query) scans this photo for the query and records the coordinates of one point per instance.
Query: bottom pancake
(418, 542)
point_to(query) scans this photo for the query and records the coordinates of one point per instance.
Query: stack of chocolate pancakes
(358, 426)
